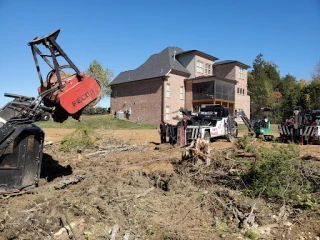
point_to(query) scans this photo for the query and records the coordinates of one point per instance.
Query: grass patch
(96, 122)
(251, 235)
(242, 129)
(78, 139)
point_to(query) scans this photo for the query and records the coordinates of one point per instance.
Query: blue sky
(121, 35)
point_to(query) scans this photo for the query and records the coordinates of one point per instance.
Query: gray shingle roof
(231, 61)
(157, 65)
(199, 53)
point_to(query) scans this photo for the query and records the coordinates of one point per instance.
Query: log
(310, 157)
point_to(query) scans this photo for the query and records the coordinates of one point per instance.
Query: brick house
(175, 78)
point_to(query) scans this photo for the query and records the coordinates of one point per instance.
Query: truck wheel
(45, 116)
(207, 136)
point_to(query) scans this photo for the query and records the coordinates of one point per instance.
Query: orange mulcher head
(68, 93)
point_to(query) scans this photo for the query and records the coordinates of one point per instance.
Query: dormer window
(208, 69)
(199, 66)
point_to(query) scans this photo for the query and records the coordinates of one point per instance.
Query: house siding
(188, 62)
(143, 97)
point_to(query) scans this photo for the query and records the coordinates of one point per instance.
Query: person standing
(163, 132)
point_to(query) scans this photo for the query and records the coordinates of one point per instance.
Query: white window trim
(240, 91)
(167, 113)
(207, 68)
(168, 90)
(181, 93)
(199, 66)
(241, 73)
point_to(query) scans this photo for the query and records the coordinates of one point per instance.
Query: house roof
(231, 61)
(201, 54)
(157, 65)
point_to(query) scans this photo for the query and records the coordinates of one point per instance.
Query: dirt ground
(130, 187)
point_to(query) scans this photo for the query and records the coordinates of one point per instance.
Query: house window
(240, 91)
(168, 113)
(207, 69)
(181, 92)
(240, 73)
(199, 66)
(115, 93)
(168, 90)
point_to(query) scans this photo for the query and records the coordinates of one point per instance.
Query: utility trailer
(213, 121)
(302, 127)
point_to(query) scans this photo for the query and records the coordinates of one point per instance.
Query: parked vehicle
(302, 127)
(213, 121)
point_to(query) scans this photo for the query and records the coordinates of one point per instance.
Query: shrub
(94, 110)
(277, 174)
(79, 138)
(245, 143)
(251, 235)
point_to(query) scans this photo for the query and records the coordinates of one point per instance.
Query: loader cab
(20, 162)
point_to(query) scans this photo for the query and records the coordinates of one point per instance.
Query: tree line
(268, 89)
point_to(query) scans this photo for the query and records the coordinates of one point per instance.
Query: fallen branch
(254, 155)
(136, 196)
(148, 162)
(115, 148)
(249, 220)
(310, 157)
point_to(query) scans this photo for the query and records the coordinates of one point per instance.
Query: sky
(121, 35)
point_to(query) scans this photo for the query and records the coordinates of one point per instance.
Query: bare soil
(143, 192)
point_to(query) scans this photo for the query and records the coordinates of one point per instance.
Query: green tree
(262, 81)
(104, 76)
(316, 73)
(273, 75)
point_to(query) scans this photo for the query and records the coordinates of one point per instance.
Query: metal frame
(49, 41)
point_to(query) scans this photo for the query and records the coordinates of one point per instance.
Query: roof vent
(174, 55)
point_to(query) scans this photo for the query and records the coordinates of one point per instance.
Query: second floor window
(168, 90)
(207, 69)
(240, 73)
(240, 91)
(199, 66)
(181, 92)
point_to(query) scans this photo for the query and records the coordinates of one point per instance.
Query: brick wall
(225, 71)
(143, 97)
(188, 94)
(174, 101)
(242, 100)
(231, 71)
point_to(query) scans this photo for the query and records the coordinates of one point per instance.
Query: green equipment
(259, 128)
